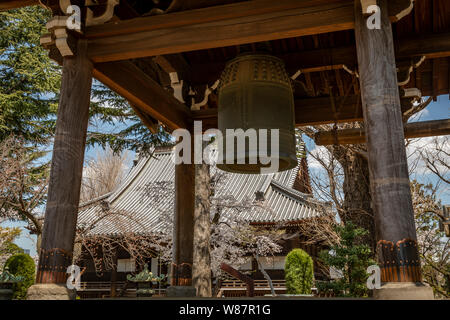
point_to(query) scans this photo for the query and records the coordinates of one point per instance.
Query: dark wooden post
(66, 168)
(183, 233)
(394, 216)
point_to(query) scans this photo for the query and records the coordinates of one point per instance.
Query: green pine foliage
(29, 80)
(21, 265)
(29, 95)
(29, 92)
(299, 272)
(352, 259)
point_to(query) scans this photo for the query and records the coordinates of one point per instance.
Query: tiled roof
(143, 215)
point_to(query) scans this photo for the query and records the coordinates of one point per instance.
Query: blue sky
(436, 110)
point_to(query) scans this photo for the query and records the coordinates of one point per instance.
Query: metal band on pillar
(181, 274)
(399, 262)
(53, 264)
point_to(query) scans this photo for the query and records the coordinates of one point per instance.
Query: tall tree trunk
(201, 269)
(357, 206)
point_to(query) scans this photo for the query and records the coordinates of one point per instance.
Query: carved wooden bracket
(405, 67)
(208, 91)
(59, 36)
(398, 8)
(177, 86)
(105, 17)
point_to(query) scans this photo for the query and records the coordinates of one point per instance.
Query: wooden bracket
(208, 91)
(177, 86)
(105, 17)
(406, 67)
(400, 9)
(59, 37)
(397, 8)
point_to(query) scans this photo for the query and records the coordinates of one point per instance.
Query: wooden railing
(277, 284)
(237, 288)
(99, 285)
(104, 287)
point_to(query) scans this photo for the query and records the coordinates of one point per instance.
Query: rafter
(412, 130)
(144, 93)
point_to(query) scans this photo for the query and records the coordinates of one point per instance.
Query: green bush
(352, 259)
(299, 272)
(21, 265)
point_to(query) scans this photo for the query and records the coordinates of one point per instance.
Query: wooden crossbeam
(12, 4)
(219, 26)
(309, 111)
(144, 93)
(412, 130)
(431, 46)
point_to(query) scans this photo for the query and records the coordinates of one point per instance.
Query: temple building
(287, 207)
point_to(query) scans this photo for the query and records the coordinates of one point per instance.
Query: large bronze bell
(255, 92)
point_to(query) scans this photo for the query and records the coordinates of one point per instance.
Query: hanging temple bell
(255, 93)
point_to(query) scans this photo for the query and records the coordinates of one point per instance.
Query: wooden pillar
(201, 269)
(66, 168)
(183, 232)
(389, 180)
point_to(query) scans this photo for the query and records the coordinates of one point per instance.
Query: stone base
(181, 291)
(403, 291)
(50, 291)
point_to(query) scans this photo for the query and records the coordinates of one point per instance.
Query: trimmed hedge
(299, 272)
(21, 265)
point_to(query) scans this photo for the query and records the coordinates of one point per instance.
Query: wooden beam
(309, 111)
(220, 26)
(12, 4)
(430, 45)
(217, 26)
(357, 135)
(143, 92)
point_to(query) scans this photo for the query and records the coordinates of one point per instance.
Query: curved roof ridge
(297, 194)
(92, 201)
